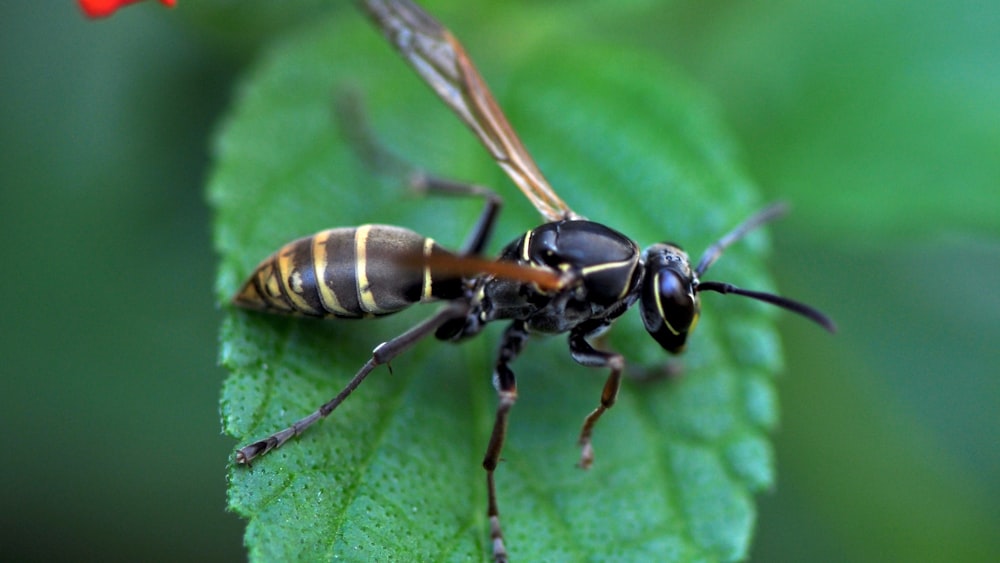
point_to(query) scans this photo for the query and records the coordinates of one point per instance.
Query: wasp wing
(446, 263)
(443, 63)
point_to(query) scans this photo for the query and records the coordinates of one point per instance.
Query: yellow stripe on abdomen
(365, 298)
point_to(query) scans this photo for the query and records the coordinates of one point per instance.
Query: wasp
(568, 275)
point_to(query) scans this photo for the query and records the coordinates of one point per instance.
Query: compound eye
(675, 302)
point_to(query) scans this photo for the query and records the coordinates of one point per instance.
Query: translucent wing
(442, 62)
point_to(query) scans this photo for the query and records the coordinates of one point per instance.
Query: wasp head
(669, 297)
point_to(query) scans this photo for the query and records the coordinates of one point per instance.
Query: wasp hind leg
(350, 114)
(382, 354)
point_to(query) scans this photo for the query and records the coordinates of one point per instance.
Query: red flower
(104, 8)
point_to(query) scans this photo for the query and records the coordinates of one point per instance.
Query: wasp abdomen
(350, 272)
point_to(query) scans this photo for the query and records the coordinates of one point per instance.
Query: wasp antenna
(765, 215)
(806, 311)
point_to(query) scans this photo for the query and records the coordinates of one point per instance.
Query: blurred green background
(879, 122)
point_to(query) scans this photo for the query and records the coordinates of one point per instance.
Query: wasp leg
(350, 113)
(480, 234)
(587, 355)
(504, 382)
(382, 354)
(671, 368)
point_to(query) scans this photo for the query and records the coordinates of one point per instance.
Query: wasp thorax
(668, 303)
(606, 260)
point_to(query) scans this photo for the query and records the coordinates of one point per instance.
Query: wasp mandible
(568, 275)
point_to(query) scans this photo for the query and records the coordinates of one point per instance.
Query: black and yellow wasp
(568, 275)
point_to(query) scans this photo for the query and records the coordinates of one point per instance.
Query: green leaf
(395, 473)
